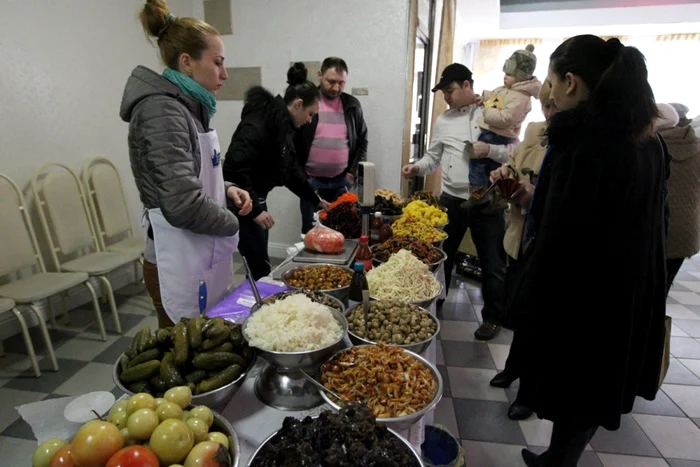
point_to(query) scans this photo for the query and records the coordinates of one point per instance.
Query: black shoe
(503, 380)
(531, 459)
(519, 412)
(440, 301)
(487, 331)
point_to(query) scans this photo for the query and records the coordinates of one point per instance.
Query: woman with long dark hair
(262, 156)
(596, 228)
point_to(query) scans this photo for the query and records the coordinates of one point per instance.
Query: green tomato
(45, 452)
(199, 428)
(142, 423)
(203, 412)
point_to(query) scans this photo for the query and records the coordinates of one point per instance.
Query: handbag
(666, 356)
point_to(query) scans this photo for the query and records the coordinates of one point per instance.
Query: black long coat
(592, 295)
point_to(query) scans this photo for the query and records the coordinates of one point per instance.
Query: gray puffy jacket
(165, 156)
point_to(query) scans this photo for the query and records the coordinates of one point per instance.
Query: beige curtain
(410, 77)
(445, 56)
(678, 37)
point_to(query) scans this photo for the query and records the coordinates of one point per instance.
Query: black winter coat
(592, 297)
(262, 155)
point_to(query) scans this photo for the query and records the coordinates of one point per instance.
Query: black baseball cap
(452, 73)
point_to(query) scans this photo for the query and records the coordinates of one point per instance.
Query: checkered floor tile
(665, 432)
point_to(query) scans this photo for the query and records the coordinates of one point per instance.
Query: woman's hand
(525, 193)
(241, 199)
(324, 204)
(265, 220)
(409, 170)
(502, 173)
(479, 100)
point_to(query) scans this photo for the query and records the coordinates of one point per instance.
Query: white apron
(195, 271)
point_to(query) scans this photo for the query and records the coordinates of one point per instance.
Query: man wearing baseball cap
(454, 142)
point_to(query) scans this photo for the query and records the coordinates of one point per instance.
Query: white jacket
(454, 133)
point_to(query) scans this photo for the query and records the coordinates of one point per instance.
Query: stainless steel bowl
(421, 303)
(432, 266)
(340, 293)
(405, 422)
(216, 399)
(225, 427)
(440, 243)
(418, 347)
(403, 440)
(338, 303)
(305, 359)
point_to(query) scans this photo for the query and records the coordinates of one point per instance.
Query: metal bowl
(405, 422)
(418, 347)
(340, 293)
(337, 302)
(216, 399)
(304, 359)
(225, 427)
(403, 440)
(421, 303)
(440, 243)
(432, 266)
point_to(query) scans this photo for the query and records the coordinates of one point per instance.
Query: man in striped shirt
(331, 147)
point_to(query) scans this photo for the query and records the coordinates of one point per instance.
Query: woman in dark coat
(591, 295)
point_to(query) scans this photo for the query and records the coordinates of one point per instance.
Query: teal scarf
(192, 89)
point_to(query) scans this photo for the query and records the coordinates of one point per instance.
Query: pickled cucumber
(194, 332)
(196, 376)
(158, 384)
(163, 336)
(124, 362)
(225, 347)
(141, 340)
(217, 340)
(152, 354)
(169, 372)
(181, 344)
(223, 378)
(140, 372)
(216, 360)
(139, 386)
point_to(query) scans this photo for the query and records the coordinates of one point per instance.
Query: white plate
(80, 409)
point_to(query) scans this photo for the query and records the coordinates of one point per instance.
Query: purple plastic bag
(236, 307)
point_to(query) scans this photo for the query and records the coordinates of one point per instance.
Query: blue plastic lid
(358, 267)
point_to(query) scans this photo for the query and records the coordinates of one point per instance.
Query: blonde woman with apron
(175, 157)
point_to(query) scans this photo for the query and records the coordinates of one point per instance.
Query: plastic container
(374, 228)
(357, 285)
(364, 254)
(441, 449)
(385, 233)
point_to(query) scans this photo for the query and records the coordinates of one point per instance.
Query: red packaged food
(323, 239)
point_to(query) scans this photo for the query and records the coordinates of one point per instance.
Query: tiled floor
(662, 433)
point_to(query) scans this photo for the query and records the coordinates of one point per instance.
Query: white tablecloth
(254, 421)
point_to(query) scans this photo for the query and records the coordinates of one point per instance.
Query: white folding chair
(110, 214)
(66, 221)
(25, 280)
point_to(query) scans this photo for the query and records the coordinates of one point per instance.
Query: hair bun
(611, 49)
(297, 74)
(530, 48)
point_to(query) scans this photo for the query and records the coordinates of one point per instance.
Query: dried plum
(349, 438)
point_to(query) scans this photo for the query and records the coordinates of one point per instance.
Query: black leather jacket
(357, 135)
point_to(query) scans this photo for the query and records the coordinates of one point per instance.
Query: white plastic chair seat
(129, 245)
(6, 304)
(98, 264)
(39, 286)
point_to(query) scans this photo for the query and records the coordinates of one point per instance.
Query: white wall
(64, 69)
(372, 38)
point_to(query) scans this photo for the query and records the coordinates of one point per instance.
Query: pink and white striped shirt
(329, 152)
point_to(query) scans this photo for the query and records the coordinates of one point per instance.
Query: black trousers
(673, 265)
(566, 445)
(487, 232)
(253, 245)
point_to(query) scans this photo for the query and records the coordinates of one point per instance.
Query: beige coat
(528, 154)
(505, 109)
(683, 192)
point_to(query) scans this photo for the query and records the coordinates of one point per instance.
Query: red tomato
(62, 458)
(133, 456)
